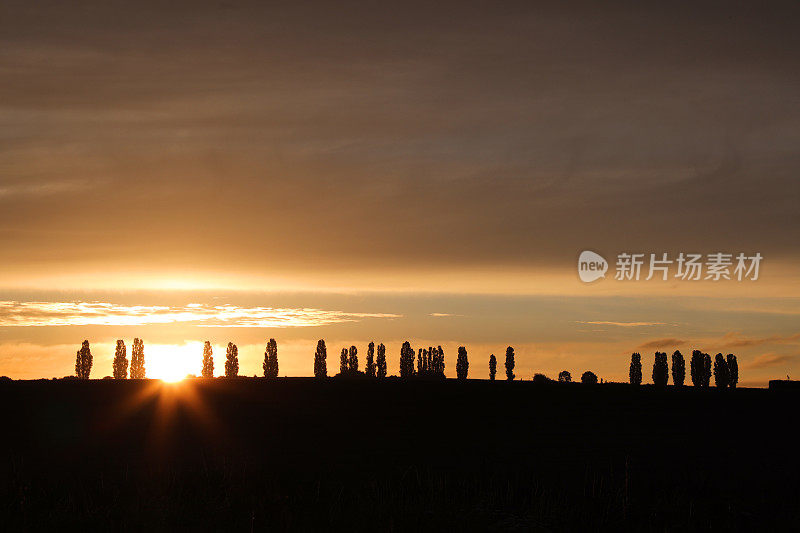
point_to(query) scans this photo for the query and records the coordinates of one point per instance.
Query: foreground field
(304, 455)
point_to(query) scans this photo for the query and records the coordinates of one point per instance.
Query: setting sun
(173, 362)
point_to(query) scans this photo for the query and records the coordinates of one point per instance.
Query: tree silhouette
(510, 363)
(660, 370)
(589, 378)
(352, 360)
(232, 361)
(370, 368)
(208, 361)
(492, 367)
(270, 365)
(721, 375)
(564, 376)
(381, 361)
(462, 364)
(437, 362)
(83, 361)
(706, 370)
(696, 368)
(678, 369)
(733, 370)
(120, 364)
(406, 360)
(635, 371)
(343, 362)
(321, 360)
(422, 362)
(137, 359)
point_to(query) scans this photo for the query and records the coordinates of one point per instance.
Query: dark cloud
(663, 343)
(251, 136)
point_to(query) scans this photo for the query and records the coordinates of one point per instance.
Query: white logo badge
(591, 266)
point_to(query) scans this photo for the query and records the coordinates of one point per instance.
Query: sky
(235, 171)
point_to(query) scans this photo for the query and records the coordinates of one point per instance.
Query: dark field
(296, 454)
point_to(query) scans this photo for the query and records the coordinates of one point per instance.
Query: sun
(173, 362)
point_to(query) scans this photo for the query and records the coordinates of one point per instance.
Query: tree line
(426, 363)
(725, 369)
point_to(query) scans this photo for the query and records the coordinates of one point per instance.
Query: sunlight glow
(173, 362)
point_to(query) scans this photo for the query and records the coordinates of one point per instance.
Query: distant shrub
(343, 362)
(208, 361)
(462, 364)
(137, 359)
(83, 361)
(635, 371)
(540, 378)
(510, 363)
(321, 360)
(564, 376)
(406, 360)
(381, 361)
(733, 371)
(492, 367)
(678, 369)
(660, 370)
(370, 368)
(696, 368)
(120, 364)
(352, 360)
(232, 361)
(270, 365)
(721, 374)
(589, 377)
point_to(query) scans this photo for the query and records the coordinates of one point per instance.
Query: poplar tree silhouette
(83, 361)
(492, 367)
(733, 370)
(696, 368)
(381, 361)
(589, 377)
(208, 361)
(137, 359)
(352, 360)
(706, 370)
(635, 371)
(660, 370)
(721, 374)
(370, 368)
(406, 360)
(420, 364)
(232, 361)
(321, 360)
(510, 363)
(343, 362)
(120, 364)
(678, 369)
(270, 365)
(564, 376)
(462, 364)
